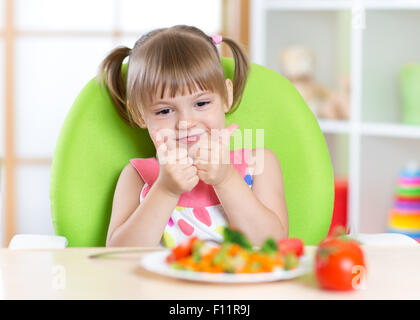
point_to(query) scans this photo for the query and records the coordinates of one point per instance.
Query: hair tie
(217, 39)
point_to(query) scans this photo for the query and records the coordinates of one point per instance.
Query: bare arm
(133, 224)
(260, 212)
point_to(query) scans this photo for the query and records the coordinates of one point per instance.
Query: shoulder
(129, 169)
(262, 160)
(128, 188)
(147, 168)
(262, 152)
(130, 174)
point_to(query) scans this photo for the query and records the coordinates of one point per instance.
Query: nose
(186, 121)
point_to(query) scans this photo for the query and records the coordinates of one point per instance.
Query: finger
(215, 135)
(187, 161)
(203, 142)
(210, 153)
(170, 141)
(202, 175)
(203, 154)
(184, 159)
(171, 157)
(161, 148)
(199, 152)
(204, 139)
(165, 135)
(179, 155)
(157, 139)
(200, 164)
(190, 161)
(192, 151)
(153, 134)
(181, 152)
(194, 180)
(232, 128)
(162, 137)
(227, 132)
(205, 159)
(161, 152)
(190, 172)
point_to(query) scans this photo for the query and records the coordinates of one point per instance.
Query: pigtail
(241, 71)
(110, 76)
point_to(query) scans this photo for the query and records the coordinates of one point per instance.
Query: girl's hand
(177, 174)
(211, 155)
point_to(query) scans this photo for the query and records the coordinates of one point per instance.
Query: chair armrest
(37, 241)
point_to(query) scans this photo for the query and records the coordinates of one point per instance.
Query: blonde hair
(173, 59)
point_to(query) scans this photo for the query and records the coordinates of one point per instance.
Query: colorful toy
(404, 217)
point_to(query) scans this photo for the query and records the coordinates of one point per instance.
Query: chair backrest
(95, 144)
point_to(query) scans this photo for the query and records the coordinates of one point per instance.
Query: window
(56, 48)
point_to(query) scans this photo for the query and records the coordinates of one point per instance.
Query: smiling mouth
(192, 138)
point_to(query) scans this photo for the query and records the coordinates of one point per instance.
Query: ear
(229, 88)
(141, 121)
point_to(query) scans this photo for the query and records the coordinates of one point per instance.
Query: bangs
(175, 66)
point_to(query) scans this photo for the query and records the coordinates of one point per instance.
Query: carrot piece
(254, 257)
(234, 249)
(214, 269)
(245, 269)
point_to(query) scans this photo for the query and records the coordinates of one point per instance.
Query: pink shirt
(198, 212)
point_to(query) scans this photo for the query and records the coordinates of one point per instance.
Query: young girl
(176, 89)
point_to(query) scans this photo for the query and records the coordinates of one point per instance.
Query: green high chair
(95, 144)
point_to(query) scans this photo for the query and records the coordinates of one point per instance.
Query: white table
(392, 273)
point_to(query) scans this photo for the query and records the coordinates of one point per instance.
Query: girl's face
(187, 116)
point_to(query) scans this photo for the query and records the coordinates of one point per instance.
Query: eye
(202, 103)
(163, 111)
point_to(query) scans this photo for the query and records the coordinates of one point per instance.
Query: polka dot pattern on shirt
(171, 222)
(202, 215)
(196, 219)
(248, 179)
(185, 227)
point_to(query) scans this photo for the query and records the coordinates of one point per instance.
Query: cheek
(156, 128)
(162, 123)
(216, 119)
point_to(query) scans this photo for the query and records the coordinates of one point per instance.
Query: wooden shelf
(334, 126)
(391, 130)
(355, 47)
(341, 4)
(394, 130)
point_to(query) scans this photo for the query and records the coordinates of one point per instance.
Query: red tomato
(182, 250)
(337, 263)
(294, 245)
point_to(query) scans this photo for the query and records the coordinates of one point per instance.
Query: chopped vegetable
(294, 245)
(235, 255)
(290, 261)
(269, 246)
(237, 237)
(182, 250)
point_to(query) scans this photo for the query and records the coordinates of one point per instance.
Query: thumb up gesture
(211, 155)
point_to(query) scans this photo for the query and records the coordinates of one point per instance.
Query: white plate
(156, 262)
